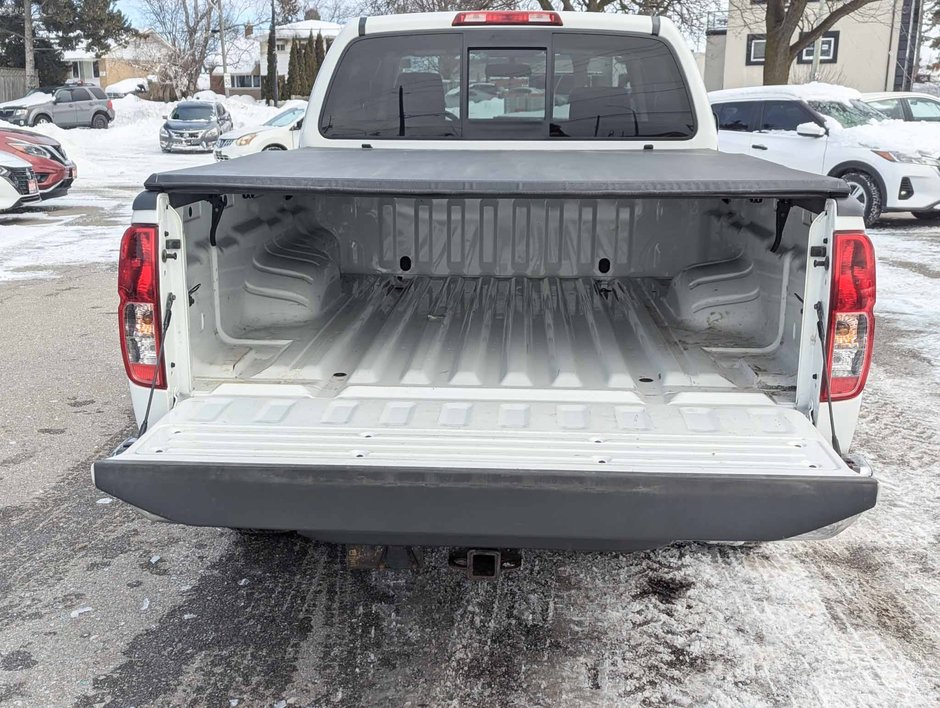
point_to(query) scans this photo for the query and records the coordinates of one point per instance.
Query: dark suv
(66, 106)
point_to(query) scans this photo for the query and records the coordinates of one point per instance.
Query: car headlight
(246, 139)
(164, 133)
(4, 171)
(30, 149)
(20, 112)
(211, 134)
(907, 158)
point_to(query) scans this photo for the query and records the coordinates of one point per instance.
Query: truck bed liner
(534, 333)
(535, 173)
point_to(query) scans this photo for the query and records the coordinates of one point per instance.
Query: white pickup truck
(506, 295)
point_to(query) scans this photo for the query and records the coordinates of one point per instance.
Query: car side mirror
(298, 125)
(164, 117)
(811, 130)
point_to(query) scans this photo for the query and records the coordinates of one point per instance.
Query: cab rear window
(459, 85)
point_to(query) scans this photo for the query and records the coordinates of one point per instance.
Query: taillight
(139, 310)
(507, 18)
(851, 314)
(110, 105)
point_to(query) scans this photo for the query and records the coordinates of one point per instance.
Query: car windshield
(850, 114)
(192, 112)
(286, 118)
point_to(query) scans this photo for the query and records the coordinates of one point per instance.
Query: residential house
(139, 57)
(243, 62)
(874, 49)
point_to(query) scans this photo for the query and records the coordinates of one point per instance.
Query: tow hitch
(484, 563)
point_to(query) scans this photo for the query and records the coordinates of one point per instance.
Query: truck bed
(533, 333)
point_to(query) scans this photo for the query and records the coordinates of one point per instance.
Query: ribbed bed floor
(550, 333)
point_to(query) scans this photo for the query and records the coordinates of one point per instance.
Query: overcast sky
(129, 8)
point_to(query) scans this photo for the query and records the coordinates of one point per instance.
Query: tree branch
(793, 14)
(819, 30)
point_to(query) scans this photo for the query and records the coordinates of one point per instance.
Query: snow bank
(207, 95)
(132, 150)
(128, 86)
(929, 88)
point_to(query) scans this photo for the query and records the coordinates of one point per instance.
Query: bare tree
(186, 25)
(394, 7)
(191, 28)
(689, 15)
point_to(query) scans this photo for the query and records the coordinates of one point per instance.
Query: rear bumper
(488, 508)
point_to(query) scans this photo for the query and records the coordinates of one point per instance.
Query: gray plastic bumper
(487, 508)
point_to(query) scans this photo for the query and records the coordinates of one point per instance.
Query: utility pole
(225, 79)
(32, 81)
(272, 37)
(817, 50)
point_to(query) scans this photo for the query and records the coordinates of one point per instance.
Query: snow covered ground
(86, 225)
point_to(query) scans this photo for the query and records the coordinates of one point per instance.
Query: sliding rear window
(531, 85)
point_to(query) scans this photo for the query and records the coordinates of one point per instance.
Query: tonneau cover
(468, 173)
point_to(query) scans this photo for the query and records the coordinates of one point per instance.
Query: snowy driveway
(98, 606)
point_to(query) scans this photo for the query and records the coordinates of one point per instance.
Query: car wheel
(927, 215)
(865, 190)
(272, 147)
(42, 119)
(99, 122)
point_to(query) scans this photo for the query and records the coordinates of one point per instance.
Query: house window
(828, 50)
(95, 69)
(756, 46)
(281, 46)
(246, 81)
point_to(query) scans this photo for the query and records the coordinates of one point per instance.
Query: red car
(54, 170)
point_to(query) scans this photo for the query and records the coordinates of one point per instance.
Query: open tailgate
(594, 471)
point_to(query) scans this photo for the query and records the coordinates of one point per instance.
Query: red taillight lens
(110, 105)
(507, 18)
(851, 314)
(139, 310)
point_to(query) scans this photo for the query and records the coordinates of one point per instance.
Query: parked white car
(829, 130)
(906, 106)
(280, 133)
(18, 182)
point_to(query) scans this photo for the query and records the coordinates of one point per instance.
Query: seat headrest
(590, 102)
(601, 111)
(422, 93)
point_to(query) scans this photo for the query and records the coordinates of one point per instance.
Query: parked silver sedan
(194, 126)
